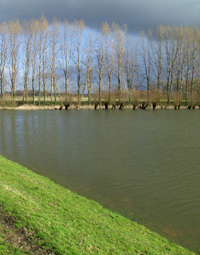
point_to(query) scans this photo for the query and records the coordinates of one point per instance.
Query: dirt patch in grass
(20, 238)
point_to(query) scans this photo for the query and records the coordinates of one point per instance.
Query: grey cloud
(137, 14)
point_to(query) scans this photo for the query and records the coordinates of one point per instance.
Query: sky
(137, 14)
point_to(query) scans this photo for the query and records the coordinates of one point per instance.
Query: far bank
(95, 107)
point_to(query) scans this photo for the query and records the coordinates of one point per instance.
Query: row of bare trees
(171, 63)
(56, 58)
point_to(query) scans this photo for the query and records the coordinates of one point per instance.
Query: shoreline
(86, 107)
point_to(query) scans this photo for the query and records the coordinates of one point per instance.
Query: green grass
(66, 223)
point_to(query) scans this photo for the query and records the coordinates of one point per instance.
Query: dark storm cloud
(137, 14)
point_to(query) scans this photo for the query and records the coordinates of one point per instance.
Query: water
(142, 164)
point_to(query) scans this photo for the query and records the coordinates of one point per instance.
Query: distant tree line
(42, 59)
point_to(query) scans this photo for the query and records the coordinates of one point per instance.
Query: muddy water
(142, 164)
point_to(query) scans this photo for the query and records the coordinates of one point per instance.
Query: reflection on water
(142, 164)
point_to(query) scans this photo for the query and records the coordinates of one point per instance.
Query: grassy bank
(38, 216)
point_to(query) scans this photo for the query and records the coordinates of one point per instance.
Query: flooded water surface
(143, 164)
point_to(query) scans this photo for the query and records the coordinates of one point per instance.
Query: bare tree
(129, 63)
(187, 49)
(180, 66)
(34, 28)
(89, 63)
(194, 55)
(44, 52)
(130, 68)
(79, 27)
(14, 46)
(66, 50)
(119, 46)
(171, 46)
(3, 55)
(27, 39)
(146, 58)
(42, 45)
(54, 37)
(157, 56)
(109, 57)
(100, 57)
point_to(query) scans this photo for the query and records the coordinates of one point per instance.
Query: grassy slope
(67, 223)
